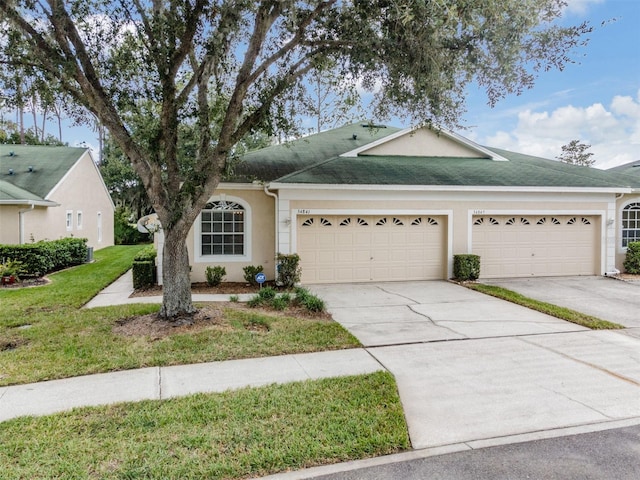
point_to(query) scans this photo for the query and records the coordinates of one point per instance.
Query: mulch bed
(226, 288)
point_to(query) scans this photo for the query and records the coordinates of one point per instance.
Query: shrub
(314, 304)
(632, 259)
(267, 293)
(288, 269)
(250, 272)
(215, 275)
(11, 268)
(301, 295)
(234, 298)
(286, 297)
(279, 303)
(254, 302)
(43, 257)
(147, 254)
(144, 274)
(466, 267)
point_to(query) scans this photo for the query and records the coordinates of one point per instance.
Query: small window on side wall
(79, 220)
(69, 220)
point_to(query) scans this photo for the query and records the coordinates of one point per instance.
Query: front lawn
(45, 334)
(239, 434)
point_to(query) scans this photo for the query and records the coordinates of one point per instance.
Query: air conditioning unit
(89, 255)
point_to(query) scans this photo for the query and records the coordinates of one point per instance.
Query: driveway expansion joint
(582, 362)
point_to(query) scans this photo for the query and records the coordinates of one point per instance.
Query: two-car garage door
(366, 248)
(543, 245)
(370, 248)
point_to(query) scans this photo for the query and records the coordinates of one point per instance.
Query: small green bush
(286, 297)
(279, 303)
(301, 295)
(215, 275)
(314, 304)
(267, 293)
(147, 254)
(466, 267)
(234, 298)
(250, 272)
(255, 301)
(11, 268)
(288, 269)
(632, 259)
(144, 274)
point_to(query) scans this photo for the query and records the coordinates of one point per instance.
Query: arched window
(222, 229)
(630, 224)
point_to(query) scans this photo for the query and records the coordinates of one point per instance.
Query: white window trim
(99, 227)
(619, 246)
(79, 220)
(199, 258)
(69, 220)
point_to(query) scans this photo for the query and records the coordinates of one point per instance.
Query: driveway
(474, 371)
(412, 312)
(602, 297)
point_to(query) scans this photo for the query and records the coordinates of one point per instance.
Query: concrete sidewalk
(118, 293)
(157, 383)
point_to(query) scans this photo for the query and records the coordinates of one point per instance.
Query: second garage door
(524, 246)
(353, 248)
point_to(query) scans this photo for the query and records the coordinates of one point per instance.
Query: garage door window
(631, 224)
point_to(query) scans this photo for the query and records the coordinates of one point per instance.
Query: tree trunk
(176, 278)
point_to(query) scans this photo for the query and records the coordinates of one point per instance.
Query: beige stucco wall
(423, 142)
(262, 231)
(458, 207)
(9, 224)
(620, 204)
(81, 190)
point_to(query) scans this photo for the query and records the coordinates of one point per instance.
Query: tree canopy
(575, 153)
(227, 68)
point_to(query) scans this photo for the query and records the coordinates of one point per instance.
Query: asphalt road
(609, 454)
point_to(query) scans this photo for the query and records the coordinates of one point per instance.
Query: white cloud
(580, 7)
(613, 131)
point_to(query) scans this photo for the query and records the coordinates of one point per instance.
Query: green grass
(548, 308)
(239, 434)
(64, 340)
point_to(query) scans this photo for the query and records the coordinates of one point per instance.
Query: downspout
(277, 225)
(21, 216)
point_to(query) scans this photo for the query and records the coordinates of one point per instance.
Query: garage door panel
(536, 246)
(371, 248)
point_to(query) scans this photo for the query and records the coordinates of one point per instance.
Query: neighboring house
(370, 204)
(627, 210)
(48, 192)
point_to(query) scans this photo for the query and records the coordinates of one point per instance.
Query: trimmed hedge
(144, 268)
(43, 257)
(466, 267)
(632, 259)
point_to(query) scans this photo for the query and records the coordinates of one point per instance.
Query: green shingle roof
(630, 170)
(49, 164)
(275, 161)
(520, 171)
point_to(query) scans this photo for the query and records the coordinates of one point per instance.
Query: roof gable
(36, 169)
(426, 142)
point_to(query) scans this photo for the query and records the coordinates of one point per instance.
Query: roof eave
(449, 188)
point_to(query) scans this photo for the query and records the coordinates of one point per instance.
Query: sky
(595, 100)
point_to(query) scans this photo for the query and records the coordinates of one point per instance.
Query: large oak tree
(227, 67)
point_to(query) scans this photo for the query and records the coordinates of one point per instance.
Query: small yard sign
(261, 278)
